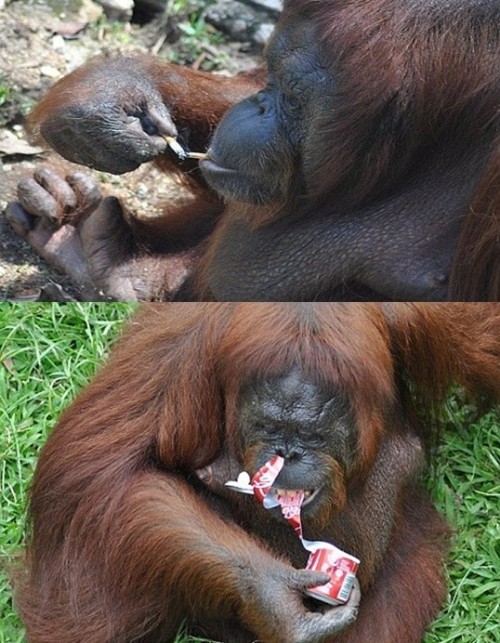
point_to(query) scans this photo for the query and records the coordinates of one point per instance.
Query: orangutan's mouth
(294, 494)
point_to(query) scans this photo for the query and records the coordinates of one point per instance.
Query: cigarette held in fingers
(179, 150)
(175, 147)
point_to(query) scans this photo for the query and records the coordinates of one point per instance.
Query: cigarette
(181, 152)
(197, 155)
(175, 147)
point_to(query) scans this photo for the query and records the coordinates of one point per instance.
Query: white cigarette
(175, 147)
(197, 155)
(181, 152)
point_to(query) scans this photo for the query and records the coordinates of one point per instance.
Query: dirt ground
(40, 41)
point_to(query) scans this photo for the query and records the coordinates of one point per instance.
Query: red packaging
(324, 557)
(290, 508)
(265, 476)
(340, 566)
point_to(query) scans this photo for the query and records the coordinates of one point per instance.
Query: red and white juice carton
(265, 476)
(339, 565)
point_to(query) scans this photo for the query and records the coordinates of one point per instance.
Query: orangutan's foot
(48, 209)
(66, 220)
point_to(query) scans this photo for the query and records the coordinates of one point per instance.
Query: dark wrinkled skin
(116, 129)
(294, 418)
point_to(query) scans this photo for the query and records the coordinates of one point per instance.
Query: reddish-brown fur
(413, 76)
(127, 543)
(442, 90)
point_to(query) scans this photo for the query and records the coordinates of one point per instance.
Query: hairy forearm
(166, 541)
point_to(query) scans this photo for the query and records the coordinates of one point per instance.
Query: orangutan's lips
(211, 167)
(291, 494)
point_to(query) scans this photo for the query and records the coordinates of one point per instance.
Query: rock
(271, 5)
(85, 12)
(241, 21)
(262, 34)
(117, 9)
(58, 44)
(49, 71)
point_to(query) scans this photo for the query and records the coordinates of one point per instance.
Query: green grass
(466, 489)
(49, 351)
